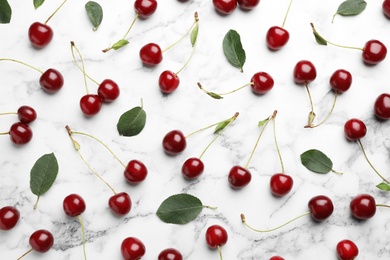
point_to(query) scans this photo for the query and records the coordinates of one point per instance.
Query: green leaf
(132, 122)
(38, 3)
(351, 7)
(233, 50)
(383, 186)
(316, 161)
(95, 13)
(43, 174)
(5, 11)
(222, 125)
(214, 95)
(319, 39)
(263, 122)
(119, 44)
(194, 35)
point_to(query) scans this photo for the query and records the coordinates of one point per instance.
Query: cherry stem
(201, 129)
(273, 229)
(8, 113)
(82, 235)
(131, 26)
(369, 162)
(4, 133)
(235, 90)
(25, 64)
(220, 252)
(188, 60)
(73, 46)
(383, 205)
(29, 251)
(330, 112)
(209, 207)
(276, 141)
(311, 100)
(55, 11)
(285, 16)
(78, 66)
(36, 203)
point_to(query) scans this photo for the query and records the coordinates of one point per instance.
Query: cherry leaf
(38, 3)
(132, 122)
(262, 122)
(233, 50)
(194, 35)
(119, 44)
(222, 125)
(214, 95)
(95, 13)
(316, 161)
(351, 7)
(383, 186)
(5, 12)
(319, 39)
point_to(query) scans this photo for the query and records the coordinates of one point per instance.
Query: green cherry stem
(285, 16)
(4, 133)
(29, 251)
(311, 114)
(326, 118)
(73, 46)
(25, 64)
(276, 141)
(82, 235)
(383, 205)
(220, 252)
(220, 95)
(58, 8)
(203, 128)
(8, 113)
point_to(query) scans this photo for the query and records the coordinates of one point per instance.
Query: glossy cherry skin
(120, 204)
(168, 81)
(248, 4)
(108, 90)
(135, 172)
(277, 37)
(276, 258)
(132, 248)
(9, 217)
(341, 80)
(382, 106)
(281, 184)
(145, 8)
(354, 129)
(26, 114)
(170, 254)
(40, 34)
(51, 81)
(73, 205)
(20, 133)
(239, 177)
(192, 168)
(374, 52)
(261, 82)
(90, 104)
(41, 241)
(321, 207)
(363, 206)
(304, 72)
(347, 250)
(386, 8)
(216, 236)
(151, 54)
(174, 142)
(225, 6)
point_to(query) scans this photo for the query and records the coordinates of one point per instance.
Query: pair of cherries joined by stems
(226, 7)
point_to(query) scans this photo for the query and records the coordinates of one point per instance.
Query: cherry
(281, 184)
(40, 34)
(170, 254)
(168, 81)
(135, 171)
(145, 8)
(277, 37)
(276, 258)
(239, 177)
(120, 204)
(74, 205)
(90, 104)
(341, 80)
(321, 207)
(363, 206)
(51, 81)
(262, 82)
(192, 168)
(20, 133)
(248, 4)
(216, 236)
(354, 129)
(26, 114)
(225, 6)
(374, 52)
(132, 248)
(386, 8)
(41, 241)
(174, 142)
(382, 106)
(304, 72)
(108, 90)
(347, 250)
(9, 217)
(151, 54)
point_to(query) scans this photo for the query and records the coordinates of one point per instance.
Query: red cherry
(374, 52)
(382, 106)
(354, 129)
(168, 81)
(74, 205)
(192, 168)
(170, 254)
(386, 8)
(225, 6)
(20, 133)
(216, 236)
(281, 184)
(174, 142)
(239, 177)
(135, 172)
(261, 83)
(145, 8)
(9, 217)
(277, 37)
(321, 207)
(276, 258)
(151, 54)
(347, 250)
(363, 206)
(108, 90)
(41, 241)
(90, 104)
(248, 4)
(26, 114)
(341, 80)
(304, 72)
(120, 204)
(51, 81)
(132, 248)
(40, 34)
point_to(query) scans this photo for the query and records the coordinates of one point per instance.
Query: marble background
(188, 109)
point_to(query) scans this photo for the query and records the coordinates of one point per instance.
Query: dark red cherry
(151, 54)
(382, 106)
(216, 236)
(225, 6)
(26, 114)
(132, 248)
(90, 104)
(341, 80)
(41, 241)
(374, 52)
(261, 82)
(239, 177)
(51, 81)
(168, 81)
(276, 258)
(73, 205)
(304, 72)
(145, 8)
(363, 206)
(40, 34)
(354, 129)
(277, 37)
(321, 207)
(347, 250)
(120, 204)
(170, 254)
(192, 168)
(9, 217)
(248, 4)
(135, 172)
(386, 8)
(174, 142)
(108, 90)
(281, 184)
(20, 133)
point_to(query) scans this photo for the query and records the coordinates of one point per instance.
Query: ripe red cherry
(135, 171)
(341, 80)
(248, 4)
(41, 241)
(386, 8)
(151, 54)
(132, 248)
(174, 142)
(170, 254)
(239, 177)
(225, 6)
(145, 8)
(108, 90)
(261, 83)
(321, 207)
(168, 81)
(347, 250)
(9, 217)
(354, 129)
(374, 52)
(276, 258)
(382, 106)
(51, 81)
(277, 37)
(216, 236)
(120, 204)
(90, 104)
(40, 34)
(363, 206)
(74, 205)
(281, 184)
(304, 72)
(20, 133)
(26, 114)
(192, 168)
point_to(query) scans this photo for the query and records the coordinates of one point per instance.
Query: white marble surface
(188, 109)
